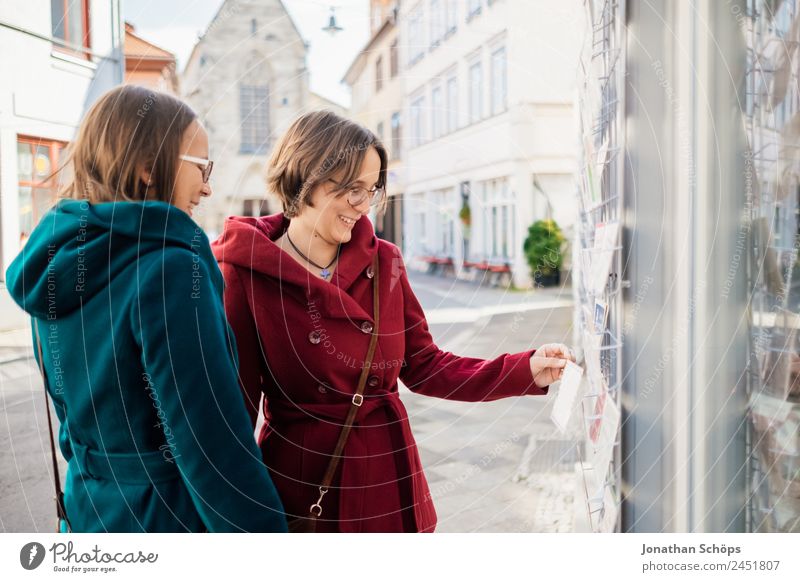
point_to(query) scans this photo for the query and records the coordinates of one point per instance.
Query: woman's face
(189, 186)
(332, 217)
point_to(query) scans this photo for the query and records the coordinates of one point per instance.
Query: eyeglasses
(357, 194)
(202, 163)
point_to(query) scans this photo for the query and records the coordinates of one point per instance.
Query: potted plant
(465, 214)
(544, 249)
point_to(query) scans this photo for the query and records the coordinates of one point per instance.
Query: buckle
(358, 399)
(316, 509)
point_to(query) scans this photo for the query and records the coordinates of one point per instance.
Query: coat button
(370, 273)
(373, 381)
(322, 389)
(315, 337)
(366, 327)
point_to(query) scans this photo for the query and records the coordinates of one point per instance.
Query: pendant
(325, 273)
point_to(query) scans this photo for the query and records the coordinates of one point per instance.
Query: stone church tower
(247, 79)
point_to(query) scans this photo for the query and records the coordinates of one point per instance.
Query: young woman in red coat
(299, 299)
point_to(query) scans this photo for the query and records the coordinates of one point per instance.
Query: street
(492, 467)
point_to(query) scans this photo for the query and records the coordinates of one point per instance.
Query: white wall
(45, 93)
(536, 133)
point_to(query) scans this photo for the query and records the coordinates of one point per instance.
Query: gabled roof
(138, 48)
(221, 10)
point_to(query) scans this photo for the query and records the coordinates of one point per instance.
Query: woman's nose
(206, 189)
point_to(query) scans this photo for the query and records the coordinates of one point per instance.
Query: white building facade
(377, 86)
(56, 59)
(490, 127)
(247, 79)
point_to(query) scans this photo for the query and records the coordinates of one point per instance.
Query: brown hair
(315, 147)
(128, 128)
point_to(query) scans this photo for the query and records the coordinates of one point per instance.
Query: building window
(452, 103)
(437, 113)
(253, 26)
(396, 136)
(473, 9)
(37, 159)
(437, 19)
(254, 118)
(496, 237)
(499, 81)
(393, 60)
(443, 225)
(379, 74)
(417, 209)
(70, 24)
(416, 34)
(379, 131)
(452, 16)
(418, 121)
(475, 92)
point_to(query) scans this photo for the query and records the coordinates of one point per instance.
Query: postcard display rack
(772, 182)
(598, 252)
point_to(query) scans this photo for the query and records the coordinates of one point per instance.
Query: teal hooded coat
(142, 370)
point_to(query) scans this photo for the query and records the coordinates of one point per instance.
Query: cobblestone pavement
(494, 466)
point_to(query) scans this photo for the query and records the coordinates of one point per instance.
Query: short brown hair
(315, 147)
(126, 128)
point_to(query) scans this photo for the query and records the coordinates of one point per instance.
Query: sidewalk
(494, 466)
(16, 353)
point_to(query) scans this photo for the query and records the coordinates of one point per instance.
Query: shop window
(37, 160)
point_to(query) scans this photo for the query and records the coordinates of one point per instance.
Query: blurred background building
(490, 135)
(247, 79)
(57, 58)
(149, 65)
(377, 88)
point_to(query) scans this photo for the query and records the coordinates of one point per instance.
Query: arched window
(254, 109)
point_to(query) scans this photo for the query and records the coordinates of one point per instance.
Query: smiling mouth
(350, 222)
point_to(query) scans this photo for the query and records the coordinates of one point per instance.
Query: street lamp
(332, 27)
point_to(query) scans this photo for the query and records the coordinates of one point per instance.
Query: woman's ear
(145, 174)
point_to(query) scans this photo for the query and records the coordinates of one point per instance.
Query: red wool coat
(302, 342)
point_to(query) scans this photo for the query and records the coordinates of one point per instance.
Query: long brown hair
(316, 146)
(128, 128)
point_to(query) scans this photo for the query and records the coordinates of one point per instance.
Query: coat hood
(78, 248)
(250, 243)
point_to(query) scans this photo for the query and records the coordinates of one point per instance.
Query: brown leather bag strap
(358, 398)
(61, 512)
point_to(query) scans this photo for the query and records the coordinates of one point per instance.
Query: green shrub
(544, 247)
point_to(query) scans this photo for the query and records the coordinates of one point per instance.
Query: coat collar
(249, 242)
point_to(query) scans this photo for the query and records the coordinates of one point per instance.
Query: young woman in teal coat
(140, 361)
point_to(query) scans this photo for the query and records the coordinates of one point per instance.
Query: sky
(176, 24)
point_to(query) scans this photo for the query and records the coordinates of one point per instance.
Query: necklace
(324, 271)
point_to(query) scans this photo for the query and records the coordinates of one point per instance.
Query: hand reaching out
(547, 364)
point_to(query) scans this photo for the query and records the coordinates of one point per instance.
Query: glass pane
(43, 200)
(773, 185)
(57, 16)
(42, 164)
(504, 232)
(25, 213)
(495, 229)
(24, 162)
(75, 23)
